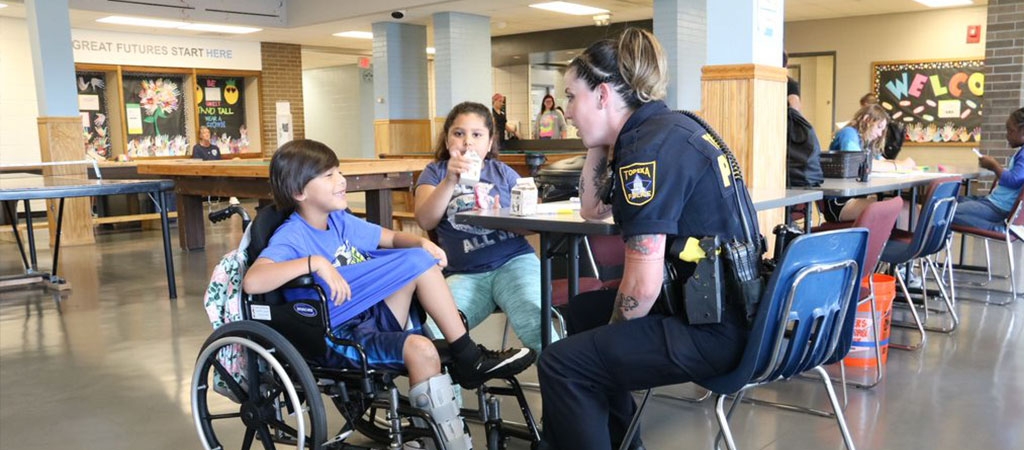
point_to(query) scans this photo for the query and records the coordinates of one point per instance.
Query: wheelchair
(261, 382)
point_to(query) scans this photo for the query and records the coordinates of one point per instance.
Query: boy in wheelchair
(370, 274)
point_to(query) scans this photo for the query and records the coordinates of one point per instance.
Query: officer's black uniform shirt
(206, 153)
(669, 177)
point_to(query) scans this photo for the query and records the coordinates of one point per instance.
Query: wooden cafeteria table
(196, 179)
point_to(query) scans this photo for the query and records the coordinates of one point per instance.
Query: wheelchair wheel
(252, 389)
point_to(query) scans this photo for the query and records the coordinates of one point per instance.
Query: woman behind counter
(550, 122)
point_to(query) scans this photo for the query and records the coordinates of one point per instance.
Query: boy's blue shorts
(380, 335)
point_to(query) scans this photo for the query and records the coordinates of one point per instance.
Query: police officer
(661, 176)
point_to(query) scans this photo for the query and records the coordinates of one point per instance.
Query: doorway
(816, 75)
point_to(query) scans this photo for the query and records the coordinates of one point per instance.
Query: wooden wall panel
(401, 136)
(746, 104)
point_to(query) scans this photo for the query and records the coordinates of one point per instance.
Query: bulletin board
(939, 102)
(221, 108)
(153, 115)
(92, 108)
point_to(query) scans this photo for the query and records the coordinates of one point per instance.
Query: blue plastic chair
(930, 236)
(810, 296)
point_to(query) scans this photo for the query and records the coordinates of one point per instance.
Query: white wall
(339, 109)
(860, 41)
(19, 138)
(514, 83)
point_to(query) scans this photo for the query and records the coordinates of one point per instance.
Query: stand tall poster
(938, 101)
(222, 109)
(92, 107)
(153, 114)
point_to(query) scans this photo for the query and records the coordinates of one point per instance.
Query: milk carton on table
(524, 197)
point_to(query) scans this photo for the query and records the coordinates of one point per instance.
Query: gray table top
(24, 186)
(884, 182)
(569, 221)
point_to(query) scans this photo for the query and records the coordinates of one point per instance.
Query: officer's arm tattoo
(644, 254)
(623, 304)
(600, 174)
(646, 245)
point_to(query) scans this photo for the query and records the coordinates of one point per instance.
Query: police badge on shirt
(638, 182)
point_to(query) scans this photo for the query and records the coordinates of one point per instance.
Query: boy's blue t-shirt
(472, 249)
(847, 140)
(350, 243)
(1010, 183)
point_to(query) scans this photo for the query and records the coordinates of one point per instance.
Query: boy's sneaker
(492, 364)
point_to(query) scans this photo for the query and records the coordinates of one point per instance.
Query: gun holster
(699, 298)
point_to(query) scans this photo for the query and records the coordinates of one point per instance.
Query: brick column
(1004, 75)
(682, 28)
(281, 80)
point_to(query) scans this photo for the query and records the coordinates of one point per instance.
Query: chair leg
(840, 418)
(973, 285)
(913, 312)
(723, 423)
(707, 395)
(1013, 267)
(946, 297)
(635, 422)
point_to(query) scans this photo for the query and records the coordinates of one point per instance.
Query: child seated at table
(990, 212)
(863, 133)
(487, 268)
(372, 289)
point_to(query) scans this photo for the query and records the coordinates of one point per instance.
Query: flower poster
(154, 111)
(939, 102)
(221, 105)
(92, 106)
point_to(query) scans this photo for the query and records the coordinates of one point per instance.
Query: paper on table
(558, 208)
(895, 174)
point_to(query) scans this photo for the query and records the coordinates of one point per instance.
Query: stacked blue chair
(930, 236)
(799, 325)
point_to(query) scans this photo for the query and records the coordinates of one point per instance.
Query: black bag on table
(895, 133)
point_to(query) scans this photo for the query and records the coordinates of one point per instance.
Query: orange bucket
(862, 353)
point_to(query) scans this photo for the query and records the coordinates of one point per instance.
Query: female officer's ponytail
(642, 64)
(634, 66)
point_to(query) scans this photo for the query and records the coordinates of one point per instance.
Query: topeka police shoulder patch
(638, 181)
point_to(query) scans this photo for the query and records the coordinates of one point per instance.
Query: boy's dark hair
(293, 165)
(441, 151)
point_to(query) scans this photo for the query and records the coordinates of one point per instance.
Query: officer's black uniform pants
(586, 379)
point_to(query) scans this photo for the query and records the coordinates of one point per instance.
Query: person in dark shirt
(501, 120)
(660, 175)
(205, 150)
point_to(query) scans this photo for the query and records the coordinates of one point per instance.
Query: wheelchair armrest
(302, 281)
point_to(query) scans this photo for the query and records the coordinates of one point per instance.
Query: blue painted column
(681, 27)
(400, 93)
(60, 127)
(49, 30)
(462, 62)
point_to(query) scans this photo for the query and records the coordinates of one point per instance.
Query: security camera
(400, 14)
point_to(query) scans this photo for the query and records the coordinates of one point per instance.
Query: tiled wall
(339, 105)
(281, 80)
(514, 83)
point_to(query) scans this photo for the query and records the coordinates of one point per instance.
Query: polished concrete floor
(107, 365)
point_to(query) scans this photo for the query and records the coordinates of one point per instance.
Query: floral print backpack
(223, 300)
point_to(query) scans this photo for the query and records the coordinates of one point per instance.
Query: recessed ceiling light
(944, 3)
(3, 5)
(355, 34)
(431, 50)
(219, 28)
(157, 23)
(141, 22)
(569, 8)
